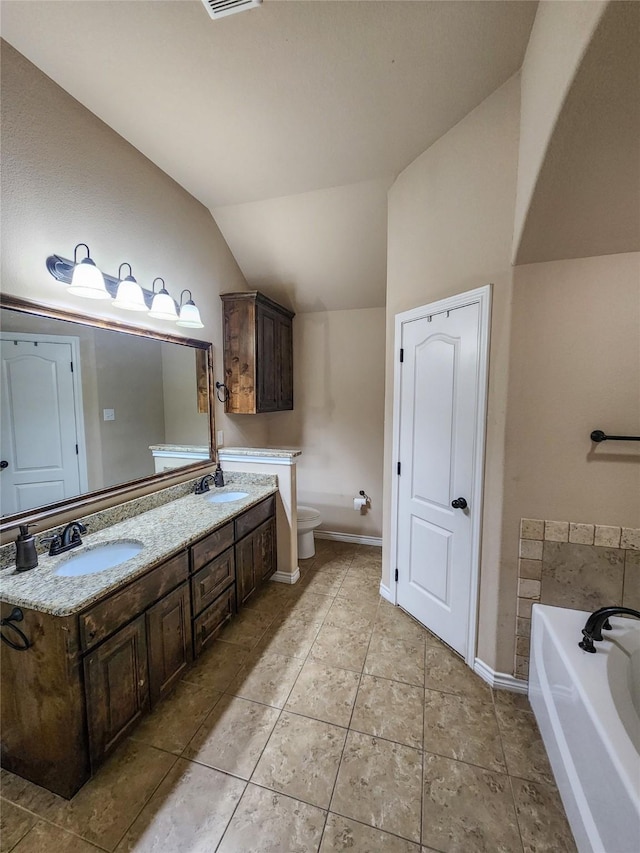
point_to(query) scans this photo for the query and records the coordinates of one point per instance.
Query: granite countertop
(181, 448)
(162, 531)
(272, 452)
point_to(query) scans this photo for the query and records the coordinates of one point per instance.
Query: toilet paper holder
(364, 495)
(362, 503)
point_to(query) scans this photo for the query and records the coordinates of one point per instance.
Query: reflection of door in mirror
(42, 435)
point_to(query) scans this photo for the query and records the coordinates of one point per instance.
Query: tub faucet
(202, 485)
(598, 620)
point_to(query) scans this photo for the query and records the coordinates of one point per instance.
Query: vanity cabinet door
(267, 533)
(246, 556)
(117, 688)
(169, 639)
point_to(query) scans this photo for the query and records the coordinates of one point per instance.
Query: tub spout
(598, 620)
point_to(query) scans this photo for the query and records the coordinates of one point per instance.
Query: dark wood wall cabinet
(87, 680)
(258, 354)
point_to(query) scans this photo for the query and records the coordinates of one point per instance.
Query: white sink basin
(225, 497)
(98, 559)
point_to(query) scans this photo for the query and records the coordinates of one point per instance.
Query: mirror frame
(84, 501)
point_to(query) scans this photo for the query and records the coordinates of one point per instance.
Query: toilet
(308, 519)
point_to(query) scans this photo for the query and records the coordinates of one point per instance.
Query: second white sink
(98, 559)
(224, 497)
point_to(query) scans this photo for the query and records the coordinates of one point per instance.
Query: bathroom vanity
(108, 646)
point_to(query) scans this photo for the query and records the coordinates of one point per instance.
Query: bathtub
(588, 709)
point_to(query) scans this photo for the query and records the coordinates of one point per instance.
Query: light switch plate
(109, 414)
(220, 438)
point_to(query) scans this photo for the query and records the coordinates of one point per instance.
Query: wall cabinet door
(117, 688)
(169, 639)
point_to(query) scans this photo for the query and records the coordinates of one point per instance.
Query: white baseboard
(386, 593)
(499, 680)
(285, 577)
(348, 537)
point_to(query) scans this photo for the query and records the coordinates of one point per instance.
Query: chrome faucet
(598, 620)
(65, 541)
(202, 485)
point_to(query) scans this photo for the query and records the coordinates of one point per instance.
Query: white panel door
(438, 426)
(38, 439)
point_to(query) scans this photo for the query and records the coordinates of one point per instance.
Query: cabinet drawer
(107, 616)
(253, 517)
(211, 580)
(209, 547)
(212, 620)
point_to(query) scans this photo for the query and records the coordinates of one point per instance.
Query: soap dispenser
(26, 554)
(218, 477)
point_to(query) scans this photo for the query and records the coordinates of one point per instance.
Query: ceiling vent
(220, 8)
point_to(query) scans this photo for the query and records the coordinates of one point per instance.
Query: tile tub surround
(163, 531)
(330, 757)
(575, 565)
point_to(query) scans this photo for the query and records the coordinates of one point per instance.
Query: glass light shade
(130, 296)
(190, 316)
(88, 281)
(163, 307)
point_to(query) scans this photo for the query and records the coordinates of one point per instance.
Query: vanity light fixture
(87, 280)
(129, 295)
(163, 307)
(189, 314)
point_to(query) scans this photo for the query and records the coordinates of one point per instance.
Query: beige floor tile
(217, 667)
(542, 820)
(293, 638)
(46, 838)
(105, 807)
(301, 759)
(268, 601)
(246, 628)
(233, 736)
(396, 659)
(467, 809)
(267, 822)
(324, 693)
(506, 702)
(464, 729)
(360, 586)
(189, 812)
(343, 647)
(523, 747)
(177, 718)
(268, 678)
(325, 582)
(445, 671)
(341, 834)
(308, 605)
(394, 623)
(389, 709)
(379, 783)
(14, 825)
(344, 610)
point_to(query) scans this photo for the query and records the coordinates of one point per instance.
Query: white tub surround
(167, 456)
(588, 709)
(262, 460)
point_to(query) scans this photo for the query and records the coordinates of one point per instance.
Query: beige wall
(67, 177)
(183, 423)
(559, 38)
(450, 227)
(338, 415)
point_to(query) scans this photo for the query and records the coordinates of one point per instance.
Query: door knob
(4, 464)
(459, 503)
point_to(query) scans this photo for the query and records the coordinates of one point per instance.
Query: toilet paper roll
(359, 503)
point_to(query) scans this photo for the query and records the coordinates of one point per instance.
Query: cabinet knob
(141, 682)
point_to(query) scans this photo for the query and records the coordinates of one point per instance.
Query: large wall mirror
(92, 408)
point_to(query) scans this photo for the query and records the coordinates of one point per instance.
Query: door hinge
(72, 367)
(399, 466)
(401, 354)
(76, 450)
(396, 576)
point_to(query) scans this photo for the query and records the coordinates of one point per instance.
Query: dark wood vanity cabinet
(89, 678)
(258, 354)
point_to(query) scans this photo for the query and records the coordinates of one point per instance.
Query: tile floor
(324, 719)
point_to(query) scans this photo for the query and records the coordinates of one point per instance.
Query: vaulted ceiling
(289, 121)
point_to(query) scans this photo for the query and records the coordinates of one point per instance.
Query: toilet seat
(308, 513)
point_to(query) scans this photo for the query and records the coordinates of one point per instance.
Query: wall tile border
(533, 533)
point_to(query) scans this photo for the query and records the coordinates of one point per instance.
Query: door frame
(482, 297)
(76, 378)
